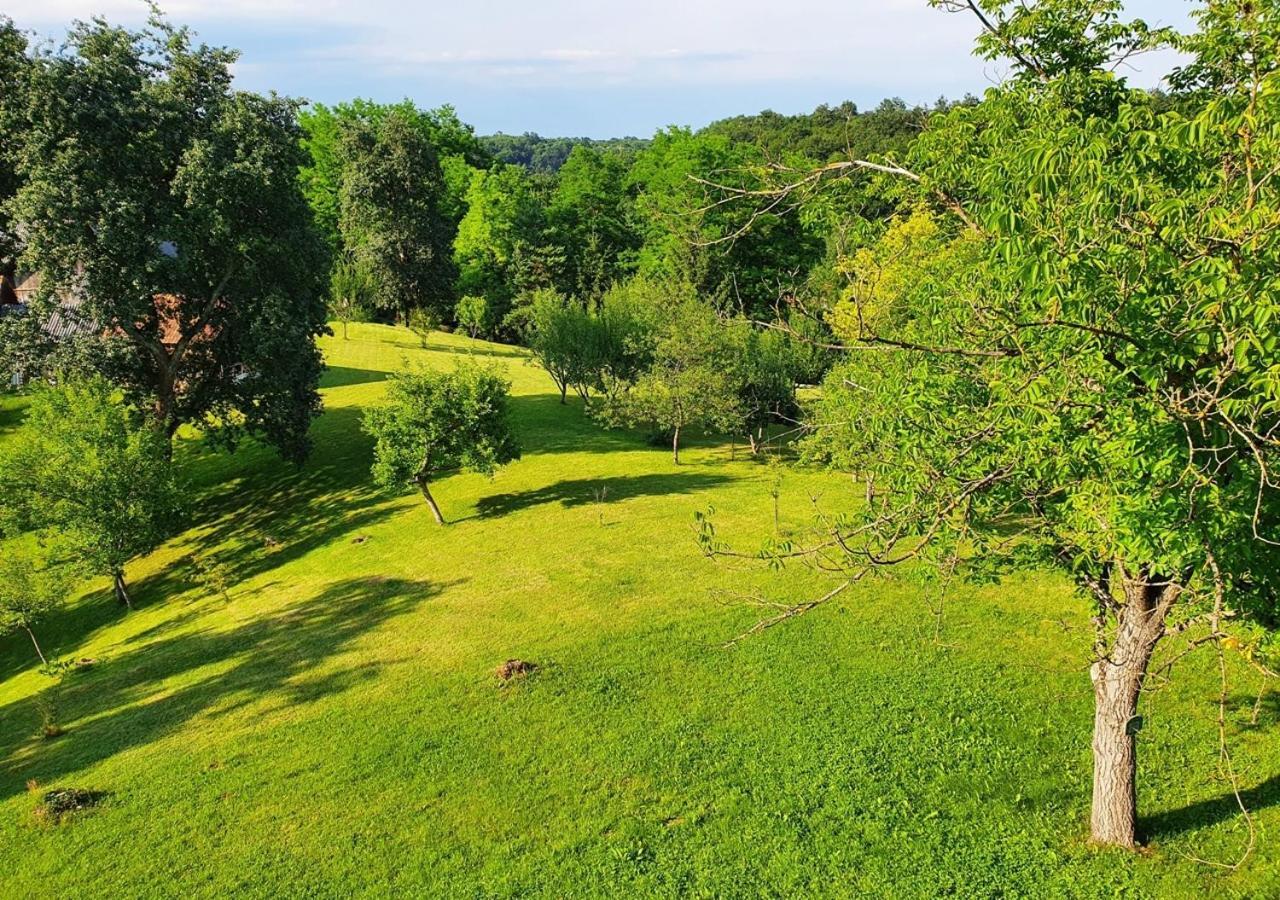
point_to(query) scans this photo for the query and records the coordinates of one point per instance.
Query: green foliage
(545, 156)
(392, 218)
(829, 132)
(562, 337)
(504, 219)
(30, 589)
(472, 313)
(84, 473)
(169, 202)
(737, 257)
(589, 216)
(437, 422)
(322, 175)
(352, 290)
(690, 383)
(14, 71)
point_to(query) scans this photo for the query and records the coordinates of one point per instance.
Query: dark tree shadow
(1209, 812)
(580, 491)
(12, 413)
(261, 513)
(545, 425)
(124, 703)
(341, 376)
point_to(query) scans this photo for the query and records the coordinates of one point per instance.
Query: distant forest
(825, 133)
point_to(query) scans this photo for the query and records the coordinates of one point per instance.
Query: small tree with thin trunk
(29, 591)
(437, 422)
(472, 313)
(351, 292)
(691, 383)
(94, 475)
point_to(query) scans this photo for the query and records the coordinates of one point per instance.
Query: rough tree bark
(431, 501)
(1117, 684)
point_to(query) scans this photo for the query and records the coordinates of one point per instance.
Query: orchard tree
(1065, 347)
(93, 476)
(765, 368)
(563, 339)
(691, 382)
(392, 217)
(436, 422)
(29, 591)
(169, 203)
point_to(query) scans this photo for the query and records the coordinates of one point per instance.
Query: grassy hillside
(336, 728)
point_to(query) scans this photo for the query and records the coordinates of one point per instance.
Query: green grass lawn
(336, 728)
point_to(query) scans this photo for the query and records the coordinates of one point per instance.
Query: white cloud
(451, 48)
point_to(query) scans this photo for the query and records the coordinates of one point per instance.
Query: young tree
(169, 203)
(436, 422)
(472, 313)
(691, 382)
(29, 591)
(1075, 359)
(765, 367)
(392, 219)
(351, 292)
(86, 472)
(559, 332)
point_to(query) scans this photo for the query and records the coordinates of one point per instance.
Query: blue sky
(599, 68)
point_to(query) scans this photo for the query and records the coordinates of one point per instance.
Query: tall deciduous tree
(14, 67)
(392, 215)
(92, 478)
(504, 219)
(434, 422)
(1076, 359)
(169, 203)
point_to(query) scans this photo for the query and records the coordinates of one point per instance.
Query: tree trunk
(344, 329)
(675, 445)
(1117, 685)
(122, 591)
(564, 392)
(39, 652)
(431, 501)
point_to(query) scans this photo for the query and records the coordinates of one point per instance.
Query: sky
(594, 68)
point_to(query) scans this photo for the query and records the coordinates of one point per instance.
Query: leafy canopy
(434, 422)
(92, 478)
(168, 202)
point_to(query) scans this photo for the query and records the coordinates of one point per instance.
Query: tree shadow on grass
(343, 376)
(124, 701)
(545, 425)
(580, 491)
(260, 513)
(1213, 811)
